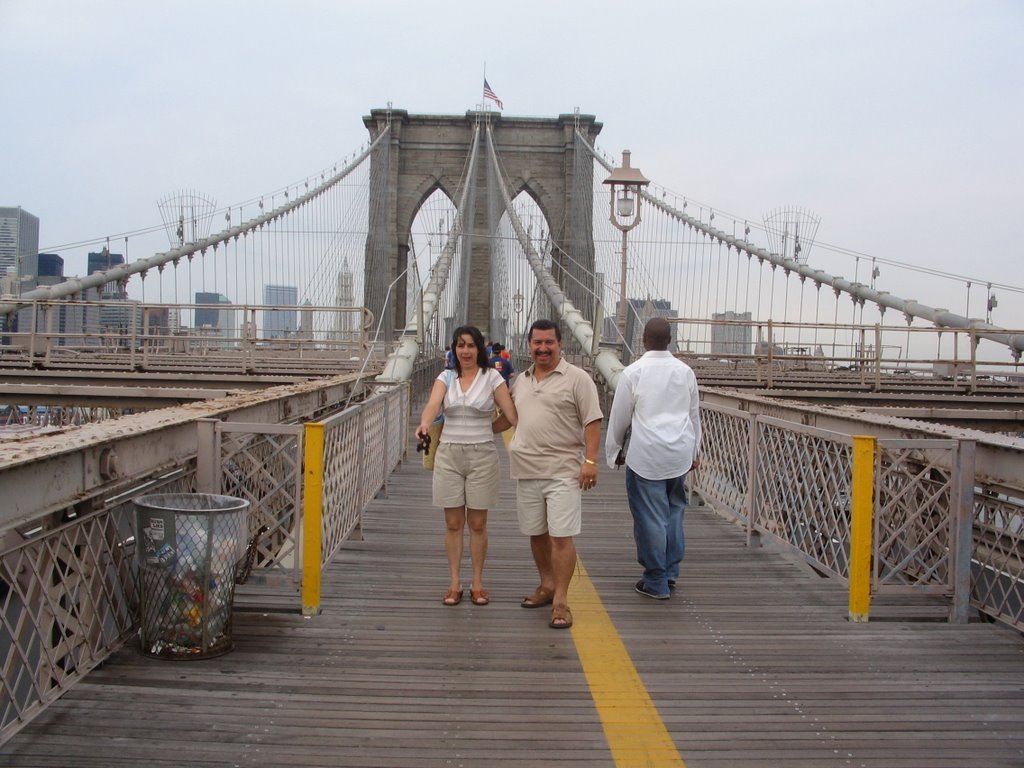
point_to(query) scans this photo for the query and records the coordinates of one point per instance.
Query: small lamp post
(626, 183)
(517, 307)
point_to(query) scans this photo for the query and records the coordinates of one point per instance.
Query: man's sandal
(480, 596)
(452, 597)
(541, 596)
(561, 618)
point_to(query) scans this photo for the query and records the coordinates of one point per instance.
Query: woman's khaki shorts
(466, 474)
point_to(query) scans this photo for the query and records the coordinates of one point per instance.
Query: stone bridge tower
(429, 152)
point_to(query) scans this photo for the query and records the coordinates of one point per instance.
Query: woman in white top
(466, 462)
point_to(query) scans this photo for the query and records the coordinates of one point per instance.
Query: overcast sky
(899, 122)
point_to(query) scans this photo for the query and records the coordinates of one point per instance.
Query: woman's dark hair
(478, 339)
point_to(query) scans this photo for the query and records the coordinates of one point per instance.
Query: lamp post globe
(626, 183)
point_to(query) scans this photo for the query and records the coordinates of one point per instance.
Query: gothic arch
(428, 152)
(539, 195)
(422, 192)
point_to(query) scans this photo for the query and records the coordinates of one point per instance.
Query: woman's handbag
(433, 440)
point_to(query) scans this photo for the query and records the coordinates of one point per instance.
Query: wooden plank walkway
(752, 663)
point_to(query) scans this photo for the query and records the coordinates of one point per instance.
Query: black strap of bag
(620, 458)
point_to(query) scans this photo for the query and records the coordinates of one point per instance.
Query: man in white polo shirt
(553, 456)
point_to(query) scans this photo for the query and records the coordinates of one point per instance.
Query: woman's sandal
(480, 596)
(452, 597)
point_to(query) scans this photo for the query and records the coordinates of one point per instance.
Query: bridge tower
(429, 152)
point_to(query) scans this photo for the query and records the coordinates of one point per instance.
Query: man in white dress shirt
(657, 398)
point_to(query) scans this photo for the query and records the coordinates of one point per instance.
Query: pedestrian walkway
(751, 663)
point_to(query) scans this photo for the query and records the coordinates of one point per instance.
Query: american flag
(489, 94)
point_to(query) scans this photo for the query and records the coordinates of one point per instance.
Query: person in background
(500, 362)
(553, 456)
(466, 463)
(657, 398)
(449, 358)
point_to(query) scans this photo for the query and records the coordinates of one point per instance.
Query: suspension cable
(858, 291)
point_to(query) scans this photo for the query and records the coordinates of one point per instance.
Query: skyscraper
(36, 269)
(280, 322)
(217, 316)
(103, 260)
(345, 323)
(47, 268)
(218, 319)
(19, 237)
(734, 337)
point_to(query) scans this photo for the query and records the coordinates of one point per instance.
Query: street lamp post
(626, 183)
(517, 307)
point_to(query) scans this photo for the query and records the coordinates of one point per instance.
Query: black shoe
(671, 585)
(643, 590)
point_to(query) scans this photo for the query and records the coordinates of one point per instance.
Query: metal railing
(770, 353)
(69, 598)
(935, 527)
(328, 469)
(68, 590)
(362, 446)
(128, 335)
(262, 463)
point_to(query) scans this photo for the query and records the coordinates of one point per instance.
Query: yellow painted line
(634, 730)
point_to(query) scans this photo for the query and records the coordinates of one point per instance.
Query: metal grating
(802, 491)
(997, 567)
(373, 433)
(362, 445)
(262, 463)
(68, 599)
(344, 476)
(723, 477)
(913, 517)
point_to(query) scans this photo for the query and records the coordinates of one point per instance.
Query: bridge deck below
(752, 663)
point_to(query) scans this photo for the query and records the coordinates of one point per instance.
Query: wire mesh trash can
(187, 545)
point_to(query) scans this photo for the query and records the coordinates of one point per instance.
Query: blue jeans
(657, 507)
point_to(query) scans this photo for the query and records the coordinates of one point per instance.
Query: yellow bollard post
(312, 517)
(861, 522)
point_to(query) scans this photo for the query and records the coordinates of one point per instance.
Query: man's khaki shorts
(549, 506)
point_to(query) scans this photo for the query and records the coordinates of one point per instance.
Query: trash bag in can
(187, 545)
